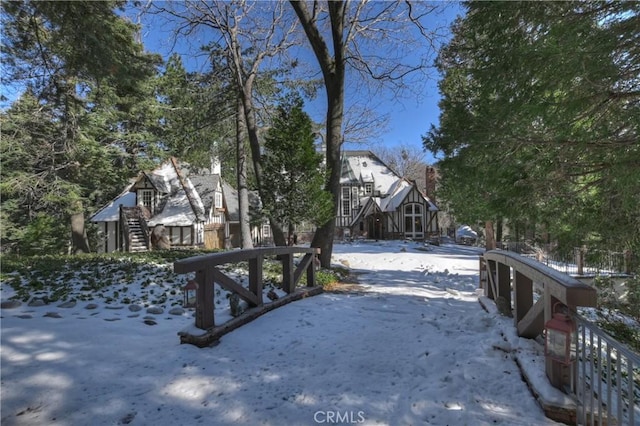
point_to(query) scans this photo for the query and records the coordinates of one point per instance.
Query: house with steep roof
(187, 208)
(377, 203)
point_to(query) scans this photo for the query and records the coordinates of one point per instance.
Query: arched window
(413, 221)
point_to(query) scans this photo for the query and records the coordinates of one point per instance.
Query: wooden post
(504, 283)
(255, 277)
(204, 299)
(531, 318)
(311, 272)
(491, 280)
(523, 295)
(207, 274)
(288, 283)
(483, 275)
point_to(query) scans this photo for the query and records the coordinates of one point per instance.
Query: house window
(346, 201)
(174, 235)
(413, 221)
(368, 188)
(266, 231)
(180, 235)
(218, 200)
(146, 199)
(354, 199)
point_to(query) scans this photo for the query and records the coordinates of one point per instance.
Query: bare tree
(406, 160)
(250, 34)
(379, 41)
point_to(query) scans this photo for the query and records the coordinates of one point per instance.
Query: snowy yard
(414, 348)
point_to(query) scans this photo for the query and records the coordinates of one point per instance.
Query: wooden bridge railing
(207, 273)
(496, 279)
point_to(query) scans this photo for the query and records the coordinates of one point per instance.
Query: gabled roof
(365, 166)
(206, 186)
(370, 206)
(111, 211)
(232, 203)
(183, 204)
(398, 193)
(347, 175)
(390, 203)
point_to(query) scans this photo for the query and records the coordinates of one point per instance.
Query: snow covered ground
(414, 348)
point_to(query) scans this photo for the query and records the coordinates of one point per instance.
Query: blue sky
(409, 117)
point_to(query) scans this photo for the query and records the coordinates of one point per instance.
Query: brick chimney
(430, 183)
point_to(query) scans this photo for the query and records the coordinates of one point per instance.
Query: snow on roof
(399, 191)
(177, 212)
(365, 166)
(347, 174)
(183, 206)
(194, 198)
(111, 212)
(164, 178)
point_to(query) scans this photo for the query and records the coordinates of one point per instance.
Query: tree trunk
(323, 237)
(243, 191)
(499, 230)
(489, 235)
(333, 73)
(254, 143)
(277, 233)
(79, 240)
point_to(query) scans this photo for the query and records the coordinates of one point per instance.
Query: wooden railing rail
(207, 273)
(556, 287)
(125, 237)
(502, 272)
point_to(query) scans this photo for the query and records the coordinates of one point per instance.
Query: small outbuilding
(172, 204)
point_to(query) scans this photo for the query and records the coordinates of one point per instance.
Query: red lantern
(189, 292)
(559, 342)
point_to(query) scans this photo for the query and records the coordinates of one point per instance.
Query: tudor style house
(189, 209)
(376, 203)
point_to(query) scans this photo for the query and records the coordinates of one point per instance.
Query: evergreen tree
(83, 74)
(293, 170)
(197, 114)
(541, 116)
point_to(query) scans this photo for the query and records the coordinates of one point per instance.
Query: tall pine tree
(77, 62)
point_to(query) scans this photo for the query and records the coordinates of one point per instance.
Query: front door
(375, 226)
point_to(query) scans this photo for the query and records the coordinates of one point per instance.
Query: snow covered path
(415, 349)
